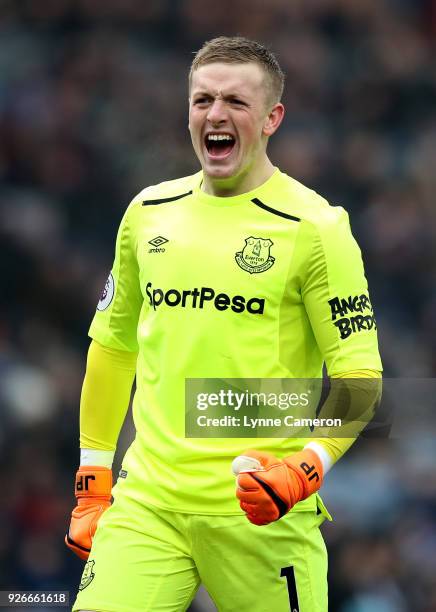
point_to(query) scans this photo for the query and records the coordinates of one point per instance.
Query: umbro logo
(158, 241)
(157, 244)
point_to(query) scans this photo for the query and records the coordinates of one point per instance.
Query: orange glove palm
(93, 492)
(271, 487)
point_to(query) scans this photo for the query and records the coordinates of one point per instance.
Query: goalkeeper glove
(269, 487)
(93, 492)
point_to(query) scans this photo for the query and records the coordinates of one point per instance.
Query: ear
(273, 119)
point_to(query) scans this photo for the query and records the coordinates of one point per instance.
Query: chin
(218, 173)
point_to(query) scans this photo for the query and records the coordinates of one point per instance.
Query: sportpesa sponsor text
(199, 297)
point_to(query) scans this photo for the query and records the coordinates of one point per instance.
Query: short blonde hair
(240, 50)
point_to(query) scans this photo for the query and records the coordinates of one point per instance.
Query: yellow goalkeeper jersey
(267, 284)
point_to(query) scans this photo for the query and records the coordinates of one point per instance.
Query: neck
(236, 185)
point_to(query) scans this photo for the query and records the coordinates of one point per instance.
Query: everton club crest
(255, 256)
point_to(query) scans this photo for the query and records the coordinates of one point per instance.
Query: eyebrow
(225, 96)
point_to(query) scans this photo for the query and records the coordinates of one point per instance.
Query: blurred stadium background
(93, 107)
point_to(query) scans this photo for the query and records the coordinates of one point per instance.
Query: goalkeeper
(237, 271)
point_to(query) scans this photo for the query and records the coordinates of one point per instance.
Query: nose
(217, 113)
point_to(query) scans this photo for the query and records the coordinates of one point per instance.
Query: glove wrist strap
(93, 481)
(307, 466)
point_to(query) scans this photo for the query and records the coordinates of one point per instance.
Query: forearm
(365, 397)
(105, 396)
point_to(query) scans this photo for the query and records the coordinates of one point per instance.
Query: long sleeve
(105, 395)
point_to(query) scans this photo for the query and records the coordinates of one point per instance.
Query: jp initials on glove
(93, 492)
(269, 487)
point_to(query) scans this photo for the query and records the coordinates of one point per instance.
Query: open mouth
(219, 146)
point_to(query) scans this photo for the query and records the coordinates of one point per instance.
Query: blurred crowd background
(93, 107)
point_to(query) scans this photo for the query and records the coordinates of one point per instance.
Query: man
(238, 271)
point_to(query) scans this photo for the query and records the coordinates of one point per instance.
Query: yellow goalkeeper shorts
(146, 559)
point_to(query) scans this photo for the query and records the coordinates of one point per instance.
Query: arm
(103, 407)
(335, 294)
